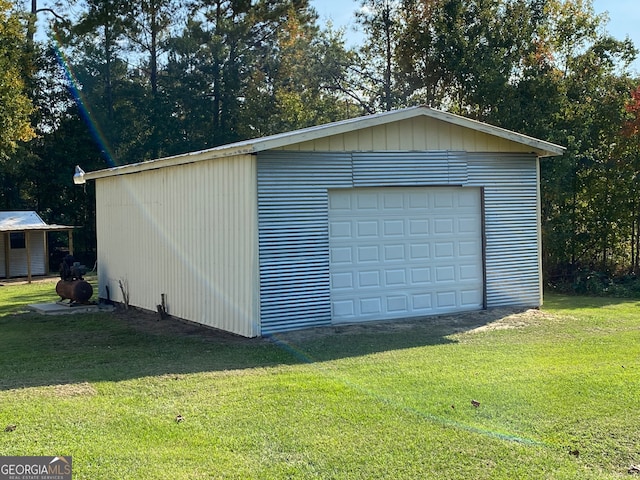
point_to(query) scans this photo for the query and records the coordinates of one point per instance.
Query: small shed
(24, 245)
(401, 214)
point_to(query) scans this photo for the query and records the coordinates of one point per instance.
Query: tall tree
(96, 43)
(298, 78)
(15, 103)
(465, 55)
(582, 192)
(151, 24)
(380, 20)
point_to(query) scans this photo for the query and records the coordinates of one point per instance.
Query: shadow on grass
(38, 350)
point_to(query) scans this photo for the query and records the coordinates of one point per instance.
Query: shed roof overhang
(22, 221)
(38, 228)
(540, 147)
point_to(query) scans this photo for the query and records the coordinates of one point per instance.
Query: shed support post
(28, 247)
(7, 256)
(70, 242)
(46, 253)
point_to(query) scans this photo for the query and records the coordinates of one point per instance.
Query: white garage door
(404, 252)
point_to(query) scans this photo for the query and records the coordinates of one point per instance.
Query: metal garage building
(401, 214)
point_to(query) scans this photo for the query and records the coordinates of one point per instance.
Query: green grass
(355, 404)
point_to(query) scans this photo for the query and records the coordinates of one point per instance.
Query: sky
(624, 18)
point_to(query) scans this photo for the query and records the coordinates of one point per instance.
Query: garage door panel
(342, 280)
(444, 250)
(394, 253)
(394, 228)
(467, 225)
(420, 276)
(469, 249)
(371, 306)
(470, 298)
(422, 304)
(419, 251)
(419, 227)
(395, 278)
(368, 254)
(406, 252)
(341, 255)
(446, 300)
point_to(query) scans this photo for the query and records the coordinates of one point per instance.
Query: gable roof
(20, 221)
(540, 147)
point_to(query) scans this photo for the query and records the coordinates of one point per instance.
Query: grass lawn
(559, 394)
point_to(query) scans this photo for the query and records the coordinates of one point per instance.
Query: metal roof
(540, 147)
(26, 220)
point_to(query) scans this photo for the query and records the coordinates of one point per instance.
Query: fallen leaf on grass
(10, 428)
(633, 469)
(475, 403)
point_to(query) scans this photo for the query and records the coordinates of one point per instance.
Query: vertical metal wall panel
(188, 232)
(409, 168)
(418, 134)
(294, 236)
(511, 202)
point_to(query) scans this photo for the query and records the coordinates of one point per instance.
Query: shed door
(404, 252)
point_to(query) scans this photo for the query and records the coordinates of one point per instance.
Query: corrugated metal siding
(293, 215)
(294, 236)
(409, 168)
(189, 232)
(511, 202)
(293, 221)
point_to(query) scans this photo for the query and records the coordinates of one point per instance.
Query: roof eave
(541, 148)
(248, 147)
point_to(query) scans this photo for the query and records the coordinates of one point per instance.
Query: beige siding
(189, 232)
(18, 265)
(419, 133)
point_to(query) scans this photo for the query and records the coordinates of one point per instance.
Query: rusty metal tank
(78, 291)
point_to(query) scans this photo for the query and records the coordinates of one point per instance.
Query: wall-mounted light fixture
(78, 176)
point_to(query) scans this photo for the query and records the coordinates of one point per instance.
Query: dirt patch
(151, 323)
(516, 320)
(474, 322)
(477, 321)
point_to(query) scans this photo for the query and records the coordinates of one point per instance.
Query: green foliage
(135, 81)
(15, 62)
(550, 70)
